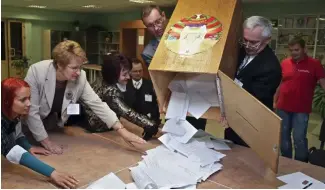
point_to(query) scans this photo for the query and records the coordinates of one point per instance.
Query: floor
(313, 131)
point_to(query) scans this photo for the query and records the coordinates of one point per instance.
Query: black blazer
(136, 99)
(262, 76)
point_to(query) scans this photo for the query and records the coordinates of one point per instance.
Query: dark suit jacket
(136, 99)
(261, 76)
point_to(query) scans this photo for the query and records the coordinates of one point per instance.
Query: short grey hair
(259, 21)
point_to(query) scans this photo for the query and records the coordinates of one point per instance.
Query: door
(4, 52)
(16, 44)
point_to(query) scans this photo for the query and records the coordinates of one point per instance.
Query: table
(89, 157)
(93, 69)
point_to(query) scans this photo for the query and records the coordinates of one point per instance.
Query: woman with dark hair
(15, 103)
(110, 88)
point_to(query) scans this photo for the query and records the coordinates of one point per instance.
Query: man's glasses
(250, 44)
(157, 23)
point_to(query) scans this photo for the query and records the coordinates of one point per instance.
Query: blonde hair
(66, 51)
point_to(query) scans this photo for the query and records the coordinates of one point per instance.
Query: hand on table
(52, 147)
(39, 150)
(224, 122)
(64, 180)
(130, 137)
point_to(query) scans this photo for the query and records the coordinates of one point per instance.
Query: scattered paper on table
(110, 181)
(181, 130)
(296, 181)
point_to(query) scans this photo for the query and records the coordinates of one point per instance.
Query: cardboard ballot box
(202, 38)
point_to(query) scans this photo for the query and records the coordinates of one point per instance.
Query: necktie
(137, 85)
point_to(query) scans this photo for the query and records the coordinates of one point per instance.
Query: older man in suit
(259, 70)
(140, 94)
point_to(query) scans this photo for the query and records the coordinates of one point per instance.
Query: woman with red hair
(15, 103)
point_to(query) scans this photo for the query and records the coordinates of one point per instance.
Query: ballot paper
(200, 134)
(179, 129)
(110, 181)
(200, 89)
(175, 170)
(299, 180)
(131, 186)
(165, 140)
(198, 105)
(196, 151)
(213, 143)
(141, 179)
(178, 106)
(178, 84)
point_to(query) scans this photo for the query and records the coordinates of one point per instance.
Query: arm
(322, 83)
(123, 110)
(276, 96)
(34, 121)
(100, 108)
(156, 113)
(18, 155)
(21, 140)
(320, 74)
(264, 89)
(147, 58)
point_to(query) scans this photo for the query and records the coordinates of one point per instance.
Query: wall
(272, 10)
(113, 20)
(38, 20)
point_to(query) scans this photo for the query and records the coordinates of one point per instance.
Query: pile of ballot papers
(187, 156)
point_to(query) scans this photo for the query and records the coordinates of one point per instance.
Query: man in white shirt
(140, 94)
(259, 70)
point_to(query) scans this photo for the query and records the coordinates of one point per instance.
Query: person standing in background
(259, 70)
(294, 96)
(140, 94)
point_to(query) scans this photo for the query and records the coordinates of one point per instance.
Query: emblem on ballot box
(190, 41)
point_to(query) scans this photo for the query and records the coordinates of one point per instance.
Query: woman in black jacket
(110, 88)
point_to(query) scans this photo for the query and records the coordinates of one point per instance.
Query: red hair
(9, 87)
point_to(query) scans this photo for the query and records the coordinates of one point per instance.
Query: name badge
(73, 109)
(238, 82)
(148, 98)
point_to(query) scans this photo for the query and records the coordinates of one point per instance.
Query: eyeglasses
(157, 23)
(250, 44)
(75, 69)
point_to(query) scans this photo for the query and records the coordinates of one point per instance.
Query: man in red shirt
(294, 96)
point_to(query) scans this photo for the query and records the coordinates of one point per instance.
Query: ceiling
(105, 5)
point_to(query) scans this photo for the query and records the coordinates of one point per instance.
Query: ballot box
(199, 48)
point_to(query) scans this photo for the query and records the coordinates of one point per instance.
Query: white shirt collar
(121, 87)
(137, 84)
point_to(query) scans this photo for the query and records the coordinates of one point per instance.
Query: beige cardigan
(41, 77)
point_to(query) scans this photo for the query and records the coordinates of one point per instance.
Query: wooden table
(93, 70)
(89, 157)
